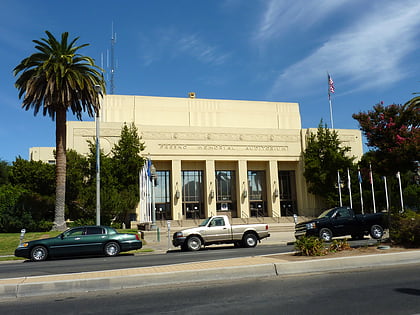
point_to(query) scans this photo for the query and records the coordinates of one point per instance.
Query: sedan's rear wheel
(112, 249)
(376, 231)
(326, 235)
(39, 253)
(194, 243)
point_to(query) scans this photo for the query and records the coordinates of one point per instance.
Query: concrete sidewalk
(215, 270)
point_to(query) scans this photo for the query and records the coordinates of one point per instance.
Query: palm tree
(54, 79)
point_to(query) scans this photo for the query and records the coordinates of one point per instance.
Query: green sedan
(79, 241)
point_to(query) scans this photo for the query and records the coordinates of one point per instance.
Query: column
(242, 190)
(176, 190)
(210, 189)
(273, 192)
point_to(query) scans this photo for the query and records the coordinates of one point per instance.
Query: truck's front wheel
(194, 243)
(250, 240)
(326, 235)
(376, 231)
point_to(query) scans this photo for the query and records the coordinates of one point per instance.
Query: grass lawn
(9, 242)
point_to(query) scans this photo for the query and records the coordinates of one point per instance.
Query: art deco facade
(241, 158)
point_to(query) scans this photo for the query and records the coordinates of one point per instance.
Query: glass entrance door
(192, 195)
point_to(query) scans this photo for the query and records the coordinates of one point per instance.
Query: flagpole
(360, 188)
(331, 89)
(386, 194)
(373, 190)
(331, 115)
(401, 194)
(339, 187)
(349, 187)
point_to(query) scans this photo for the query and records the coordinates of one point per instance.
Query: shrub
(310, 246)
(405, 228)
(338, 246)
(81, 222)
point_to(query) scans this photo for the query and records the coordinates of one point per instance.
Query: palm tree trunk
(60, 167)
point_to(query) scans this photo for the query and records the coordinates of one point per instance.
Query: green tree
(77, 173)
(323, 157)
(126, 164)
(4, 172)
(34, 176)
(54, 79)
(126, 156)
(393, 134)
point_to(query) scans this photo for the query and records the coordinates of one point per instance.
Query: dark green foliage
(35, 176)
(81, 222)
(126, 157)
(21, 208)
(310, 246)
(323, 157)
(4, 172)
(405, 228)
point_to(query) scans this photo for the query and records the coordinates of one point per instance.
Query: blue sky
(268, 50)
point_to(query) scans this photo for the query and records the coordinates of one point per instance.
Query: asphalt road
(73, 265)
(393, 290)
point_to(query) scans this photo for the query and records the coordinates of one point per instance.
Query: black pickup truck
(343, 221)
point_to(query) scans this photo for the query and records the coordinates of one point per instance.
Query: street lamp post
(98, 90)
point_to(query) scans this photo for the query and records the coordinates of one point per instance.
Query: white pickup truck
(218, 230)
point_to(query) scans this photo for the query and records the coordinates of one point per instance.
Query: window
(288, 202)
(257, 193)
(256, 180)
(94, 230)
(226, 191)
(192, 194)
(163, 195)
(218, 222)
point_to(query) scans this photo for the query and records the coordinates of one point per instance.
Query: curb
(229, 269)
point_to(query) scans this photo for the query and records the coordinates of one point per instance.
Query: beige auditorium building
(241, 158)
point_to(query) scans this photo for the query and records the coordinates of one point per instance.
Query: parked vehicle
(343, 221)
(218, 230)
(78, 241)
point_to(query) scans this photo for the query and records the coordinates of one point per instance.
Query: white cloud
(369, 53)
(172, 44)
(282, 17)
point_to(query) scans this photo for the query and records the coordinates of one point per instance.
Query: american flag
(331, 88)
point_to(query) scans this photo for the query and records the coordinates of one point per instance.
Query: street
(85, 264)
(393, 290)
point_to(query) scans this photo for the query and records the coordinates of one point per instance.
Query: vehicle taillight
(266, 226)
(137, 237)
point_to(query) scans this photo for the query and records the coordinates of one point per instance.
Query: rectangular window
(163, 195)
(257, 193)
(287, 186)
(226, 191)
(192, 194)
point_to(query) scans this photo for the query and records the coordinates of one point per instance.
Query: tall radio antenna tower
(113, 41)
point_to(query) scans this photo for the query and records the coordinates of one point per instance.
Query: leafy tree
(34, 176)
(126, 164)
(21, 208)
(323, 157)
(393, 134)
(77, 172)
(4, 172)
(54, 79)
(126, 157)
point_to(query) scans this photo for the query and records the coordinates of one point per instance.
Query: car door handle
(77, 238)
